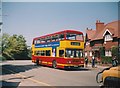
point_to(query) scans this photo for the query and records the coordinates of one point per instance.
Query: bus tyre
(37, 62)
(54, 64)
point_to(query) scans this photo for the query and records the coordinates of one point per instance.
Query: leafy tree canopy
(14, 47)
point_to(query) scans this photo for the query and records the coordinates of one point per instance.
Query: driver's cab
(69, 53)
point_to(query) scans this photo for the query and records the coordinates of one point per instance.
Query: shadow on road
(71, 69)
(21, 78)
(13, 69)
(79, 69)
(9, 84)
(6, 84)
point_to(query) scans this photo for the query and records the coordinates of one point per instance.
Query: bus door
(60, 52)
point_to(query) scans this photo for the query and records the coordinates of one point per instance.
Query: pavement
(102, 66)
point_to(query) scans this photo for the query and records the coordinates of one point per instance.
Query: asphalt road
(25, 73)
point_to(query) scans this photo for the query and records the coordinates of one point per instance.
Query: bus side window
(34, 42)
(42, 53)
(47, 52)
(38, 53)
(61, 36)
(61, 53)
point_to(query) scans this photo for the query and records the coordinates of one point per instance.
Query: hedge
(106, 60)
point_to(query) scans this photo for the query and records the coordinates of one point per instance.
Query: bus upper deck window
(34, 42)
(61, 36)
(38, 41)
(79, 37)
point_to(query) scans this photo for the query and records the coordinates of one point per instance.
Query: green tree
(5, 46)
(14, 47)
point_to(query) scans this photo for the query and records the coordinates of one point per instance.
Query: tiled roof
(112, 27)
(90, 33)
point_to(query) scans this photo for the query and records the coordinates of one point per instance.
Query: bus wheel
(37, 62)
(54, 64)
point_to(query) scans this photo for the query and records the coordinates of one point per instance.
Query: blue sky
(60, 0)
(32, 19)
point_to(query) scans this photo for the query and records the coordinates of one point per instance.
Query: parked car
(109, 77)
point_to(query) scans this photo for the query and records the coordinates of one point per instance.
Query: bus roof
(60, 32)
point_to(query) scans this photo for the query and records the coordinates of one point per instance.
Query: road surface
(25, 73)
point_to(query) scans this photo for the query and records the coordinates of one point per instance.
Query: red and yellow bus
(62, 49)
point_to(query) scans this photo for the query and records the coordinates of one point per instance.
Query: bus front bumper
(73, 67)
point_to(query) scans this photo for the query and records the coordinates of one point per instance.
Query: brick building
(104, 36)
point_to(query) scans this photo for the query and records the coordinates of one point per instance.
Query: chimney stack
(99, 26)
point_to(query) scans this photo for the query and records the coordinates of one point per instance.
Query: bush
(114, 51)
(102, 51)
(106, 60)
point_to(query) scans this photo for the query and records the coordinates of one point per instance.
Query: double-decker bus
(62, 49)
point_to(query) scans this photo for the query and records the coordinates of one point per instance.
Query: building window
(108, 37)
(108, 53)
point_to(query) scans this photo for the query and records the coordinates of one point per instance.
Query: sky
(33, 19)
(60, 0)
